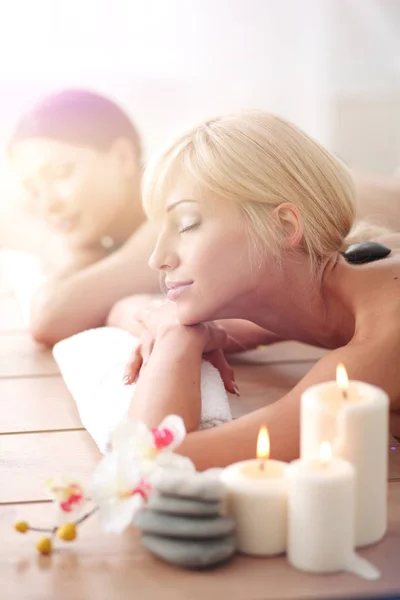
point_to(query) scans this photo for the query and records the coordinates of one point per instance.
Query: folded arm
(170, 384)
(82, 300)
(245, 335)
(242, 335)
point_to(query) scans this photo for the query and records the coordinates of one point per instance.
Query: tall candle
(320, 513)
(257, 499)
(354, 418)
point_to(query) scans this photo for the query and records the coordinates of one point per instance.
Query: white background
(332, 66)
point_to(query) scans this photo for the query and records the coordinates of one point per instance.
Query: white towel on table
(92, 364)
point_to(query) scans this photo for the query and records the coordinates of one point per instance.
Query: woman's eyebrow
(175, 204)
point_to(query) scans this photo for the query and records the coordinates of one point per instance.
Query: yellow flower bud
(67, 532)
(44, 545)
(21, 526)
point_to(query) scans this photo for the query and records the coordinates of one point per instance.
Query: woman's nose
(50, 202)
(163, 259)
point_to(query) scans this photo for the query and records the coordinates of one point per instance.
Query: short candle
(321, 513)
(257, 498)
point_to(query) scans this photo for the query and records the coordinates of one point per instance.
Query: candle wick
(344, 392)
(262, 465)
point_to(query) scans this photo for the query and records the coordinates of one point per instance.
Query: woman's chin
(188, 315)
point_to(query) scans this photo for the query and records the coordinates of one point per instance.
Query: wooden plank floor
(41, 435)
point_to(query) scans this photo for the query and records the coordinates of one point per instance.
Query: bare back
(372, 354)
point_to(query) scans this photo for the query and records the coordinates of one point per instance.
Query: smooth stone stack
(183, 523)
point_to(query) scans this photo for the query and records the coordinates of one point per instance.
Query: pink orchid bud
(162, 438)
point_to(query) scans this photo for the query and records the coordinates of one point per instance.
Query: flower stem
(43, 530)
(89, 514)
(53, 530)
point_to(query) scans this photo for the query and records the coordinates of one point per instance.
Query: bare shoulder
(391, 240)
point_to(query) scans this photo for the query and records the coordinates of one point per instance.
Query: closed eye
(189, 227)
(63, 171)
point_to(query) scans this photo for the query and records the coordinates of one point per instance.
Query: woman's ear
(126, 155)
(289, 218)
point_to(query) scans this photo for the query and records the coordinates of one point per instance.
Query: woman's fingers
(226, 340)
(123, 312)
(138, 359)
(234, 345)
(156, 316)
(141, 354)
(133, 366)
(146, 308)
(147, 346)
(216, 337)
(218, 360)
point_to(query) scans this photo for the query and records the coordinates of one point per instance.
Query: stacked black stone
(185, 529)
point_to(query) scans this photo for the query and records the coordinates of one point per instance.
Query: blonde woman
(254, 216)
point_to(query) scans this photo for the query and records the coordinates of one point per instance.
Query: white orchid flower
(119, 490)
(153, 447)
(69, 497)
(123, 479)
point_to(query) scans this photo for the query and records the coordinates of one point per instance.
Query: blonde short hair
(260, 161)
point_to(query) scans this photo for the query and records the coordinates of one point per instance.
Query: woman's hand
(157, 319)
(122, 314)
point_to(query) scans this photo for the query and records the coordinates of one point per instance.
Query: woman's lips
(176, 289)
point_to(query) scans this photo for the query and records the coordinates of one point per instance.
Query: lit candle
(257, 499)
(320, 513)
(354, 417)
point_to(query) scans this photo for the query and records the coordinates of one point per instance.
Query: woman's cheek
(66, 189)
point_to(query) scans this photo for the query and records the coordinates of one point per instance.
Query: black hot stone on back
(366, 252)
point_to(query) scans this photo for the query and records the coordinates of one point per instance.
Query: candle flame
(325, 453)
(341, 378)
(263, 445)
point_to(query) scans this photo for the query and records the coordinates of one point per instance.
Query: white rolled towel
(92, 364)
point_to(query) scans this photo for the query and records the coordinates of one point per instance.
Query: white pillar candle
(320, 514)
(257, 499)
(355, 420)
